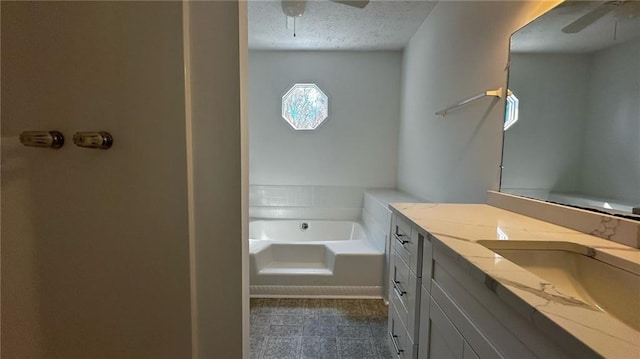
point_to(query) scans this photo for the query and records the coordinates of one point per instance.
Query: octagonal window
(305, 107)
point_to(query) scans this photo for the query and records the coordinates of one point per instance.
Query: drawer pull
(398, 238)
(395, 344)
(396, 288)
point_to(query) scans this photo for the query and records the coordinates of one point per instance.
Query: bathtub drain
(304, 226)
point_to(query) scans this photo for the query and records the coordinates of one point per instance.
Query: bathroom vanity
(524, 278)
(466, 282)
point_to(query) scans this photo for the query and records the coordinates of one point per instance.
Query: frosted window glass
(511, 111)
(305, 107)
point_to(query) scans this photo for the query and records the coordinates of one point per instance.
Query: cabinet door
(423, 342)
(445, 341)
(442, 339)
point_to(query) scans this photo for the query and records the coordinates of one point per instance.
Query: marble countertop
(461, 226)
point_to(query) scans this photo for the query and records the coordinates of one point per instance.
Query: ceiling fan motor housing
(293, 8)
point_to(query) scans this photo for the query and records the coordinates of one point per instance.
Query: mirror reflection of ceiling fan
(295, 8)
(621, 9)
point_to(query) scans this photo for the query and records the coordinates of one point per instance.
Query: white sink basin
(580, 272)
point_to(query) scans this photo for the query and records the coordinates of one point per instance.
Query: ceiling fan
(295, 8)
(622, 9)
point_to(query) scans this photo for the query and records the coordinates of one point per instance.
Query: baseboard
(290, 291)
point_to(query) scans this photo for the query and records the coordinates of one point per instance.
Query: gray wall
(579, 127)
(461, 49)
(543, 150)
(611, 156)
(356, 146)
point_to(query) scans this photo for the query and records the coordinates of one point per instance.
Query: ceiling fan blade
(590, 17)
(355, 3)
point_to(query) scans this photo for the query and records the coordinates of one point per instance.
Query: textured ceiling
(325, 25)
(545, 33)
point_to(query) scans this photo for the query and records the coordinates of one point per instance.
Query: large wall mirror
(576, 74)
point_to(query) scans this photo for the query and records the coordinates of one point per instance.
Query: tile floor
(283, 328)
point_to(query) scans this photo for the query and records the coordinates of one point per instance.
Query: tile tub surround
(460, 226)
(318, 328)
(376, 214)
(301, 202)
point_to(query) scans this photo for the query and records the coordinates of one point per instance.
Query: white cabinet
(445, 341)
(405, 294)
(491, 327)
(439, 337)
(427, 260)
(401, 344)
(406, 243)
(425, 327)
(441, 307)
(405, 283)
(423, 321)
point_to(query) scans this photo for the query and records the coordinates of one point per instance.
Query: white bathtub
(313, 258)
(314, 231)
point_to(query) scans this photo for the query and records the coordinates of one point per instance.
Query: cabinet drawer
(401, 237)
(399, 278)
(398, 304)
(409, 246)
(400, 226)
(406, 295)
(400, 342)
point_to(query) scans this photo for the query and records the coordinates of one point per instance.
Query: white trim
(289, 291)
(190, 185)
(243, 48)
